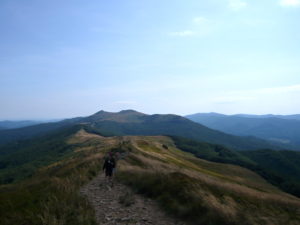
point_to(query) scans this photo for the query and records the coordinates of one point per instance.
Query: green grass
(20, 160)
(51, 195)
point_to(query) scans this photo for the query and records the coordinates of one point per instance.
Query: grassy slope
(20, 160)
(199, 191)
(281, 168)
(284, 164)
(51, 195)
(202, 191)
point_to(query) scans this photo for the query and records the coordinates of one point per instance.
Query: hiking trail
(134, 209)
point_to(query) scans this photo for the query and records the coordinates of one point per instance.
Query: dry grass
(198, 191)
(233, 193)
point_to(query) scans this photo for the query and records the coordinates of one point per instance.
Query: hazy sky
(71, 58)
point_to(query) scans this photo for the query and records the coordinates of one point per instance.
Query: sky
(61, 59)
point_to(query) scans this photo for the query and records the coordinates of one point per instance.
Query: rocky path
(118, 205)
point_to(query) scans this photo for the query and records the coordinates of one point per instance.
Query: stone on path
(118, 205)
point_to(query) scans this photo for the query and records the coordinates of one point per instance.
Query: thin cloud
(289, 3)
(185, 33)
(237, 5)
(195, 31)
(126, 102)
(200, 20)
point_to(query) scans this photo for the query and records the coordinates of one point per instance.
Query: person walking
(109, 167)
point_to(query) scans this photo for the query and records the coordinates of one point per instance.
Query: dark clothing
(109, 166)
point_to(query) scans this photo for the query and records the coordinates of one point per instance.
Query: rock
(109, 211)
(125, 219)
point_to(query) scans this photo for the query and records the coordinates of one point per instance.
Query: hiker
(109, 167)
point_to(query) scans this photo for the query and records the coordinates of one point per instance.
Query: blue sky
(61, 59)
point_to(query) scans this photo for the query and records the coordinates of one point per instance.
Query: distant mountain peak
(128, 115)
(126, 111)
(130, 111)
(100, 112)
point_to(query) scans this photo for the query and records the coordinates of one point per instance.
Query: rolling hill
(276, 129)
(24, 133)
(192, 189)
(7, 124)
(281, 168)
(287, 117)
(129, 122)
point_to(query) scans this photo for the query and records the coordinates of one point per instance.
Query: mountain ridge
(12, 124)
(130, 122)
(288, 116)
(168, 124)
(280, 130)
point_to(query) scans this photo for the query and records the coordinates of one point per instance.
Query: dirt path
(109, 210)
